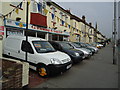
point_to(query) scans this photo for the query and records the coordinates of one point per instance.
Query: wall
(57, 19)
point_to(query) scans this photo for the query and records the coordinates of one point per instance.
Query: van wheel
(42, 71)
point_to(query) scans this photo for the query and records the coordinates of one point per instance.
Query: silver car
(87, 53)
(90, 46)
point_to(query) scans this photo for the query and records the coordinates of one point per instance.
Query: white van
(41, 55)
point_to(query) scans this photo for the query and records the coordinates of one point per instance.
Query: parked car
(41, 55)
(83, 45)
(99, 46)
(87, 53)
(90, 46)
(76, 55)
(103, 43)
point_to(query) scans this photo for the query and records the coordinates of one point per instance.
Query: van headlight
(76, 54)
(55, 61)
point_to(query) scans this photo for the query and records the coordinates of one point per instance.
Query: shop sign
(13, 23)
(1, 33)
(48, 30)
(45, 29)
(1, 30)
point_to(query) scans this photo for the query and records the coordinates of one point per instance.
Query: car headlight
(76, 54)
(55, 61)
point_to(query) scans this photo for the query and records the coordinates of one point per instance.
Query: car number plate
(69, 66)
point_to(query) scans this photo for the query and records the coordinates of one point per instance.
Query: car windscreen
(83, 45)
(43, 46)
(66, 45)
(77, 45)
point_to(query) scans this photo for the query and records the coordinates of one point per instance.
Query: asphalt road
(96, 72)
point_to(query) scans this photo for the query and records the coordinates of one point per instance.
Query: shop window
(60, 38)
(55, 37)
(41, 35)
(31, 33)
(18, 18)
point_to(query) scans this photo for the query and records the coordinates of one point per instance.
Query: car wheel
(42, 71)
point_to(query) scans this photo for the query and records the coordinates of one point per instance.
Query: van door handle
(18, 51)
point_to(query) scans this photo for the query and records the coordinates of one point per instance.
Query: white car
(40, 54)
(97, 45)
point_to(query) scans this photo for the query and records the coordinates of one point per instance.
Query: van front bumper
(54, 69)
(77, 59)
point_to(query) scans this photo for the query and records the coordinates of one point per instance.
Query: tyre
(42, 70)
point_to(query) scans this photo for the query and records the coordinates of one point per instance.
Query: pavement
(96, 72)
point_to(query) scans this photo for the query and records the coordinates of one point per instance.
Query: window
(61, 15)
(91, 31)
(37, 7)
(34, 7)
(66, 18)
(75, 24)
(43, 46)
(26, 47)
(53, 10)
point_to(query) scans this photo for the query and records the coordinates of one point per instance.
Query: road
(96, 72)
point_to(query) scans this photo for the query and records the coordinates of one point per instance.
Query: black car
(76, 55)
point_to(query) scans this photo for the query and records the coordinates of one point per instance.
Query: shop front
(18, 28)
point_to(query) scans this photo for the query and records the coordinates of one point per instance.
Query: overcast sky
(100, 12)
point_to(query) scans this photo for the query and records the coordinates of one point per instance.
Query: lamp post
(27, 11)
(114, 34)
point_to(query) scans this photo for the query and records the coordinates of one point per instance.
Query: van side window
(56, 46)
(26, 47)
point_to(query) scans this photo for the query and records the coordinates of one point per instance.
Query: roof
(53, 3)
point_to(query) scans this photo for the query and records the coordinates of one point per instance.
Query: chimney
(90, 24)
(68, 10)
(83, 18)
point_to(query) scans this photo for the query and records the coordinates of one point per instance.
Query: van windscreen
(66, 45)
(43, 46)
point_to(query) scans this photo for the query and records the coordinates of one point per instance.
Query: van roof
(24, 38)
